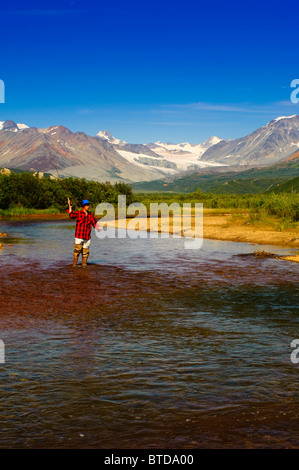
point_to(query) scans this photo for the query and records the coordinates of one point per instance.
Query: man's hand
(70, 204)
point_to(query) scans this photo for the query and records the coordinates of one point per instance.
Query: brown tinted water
(150, 346)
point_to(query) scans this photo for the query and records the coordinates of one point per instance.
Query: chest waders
(78, 249)
(85, 254)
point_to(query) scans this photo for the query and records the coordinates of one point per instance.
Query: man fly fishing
(84, 221)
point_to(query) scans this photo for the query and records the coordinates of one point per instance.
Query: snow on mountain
(168, 157)
(22, 126)
(106, 135)
(122, 145)
(185, 155)
(186, 147)
(284, 117)
(12, 126)
(75, 154)
(177, 155)
(142, 161)
(265, 146)
(105, 157)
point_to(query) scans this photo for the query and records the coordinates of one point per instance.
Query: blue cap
(85, 202)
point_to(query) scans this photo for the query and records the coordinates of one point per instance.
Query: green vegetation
(25, 194)
(289, 186)
(219, 183)
(284, 206)
(266, 193)
(20, 211)
(20, 193)
(254, 180)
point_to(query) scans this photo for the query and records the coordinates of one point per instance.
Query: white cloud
(267, 108)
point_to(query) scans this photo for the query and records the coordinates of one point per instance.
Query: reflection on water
(150, 346)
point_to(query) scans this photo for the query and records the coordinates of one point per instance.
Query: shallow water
(150, 346)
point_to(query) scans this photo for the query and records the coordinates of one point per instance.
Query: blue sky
(147, 71)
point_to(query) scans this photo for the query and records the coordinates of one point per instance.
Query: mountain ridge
(104, 157)
(264, 146)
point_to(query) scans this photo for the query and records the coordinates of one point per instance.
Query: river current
(150, 346)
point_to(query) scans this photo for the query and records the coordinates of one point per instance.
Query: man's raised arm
(70, 212)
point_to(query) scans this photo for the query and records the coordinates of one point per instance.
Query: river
(150, 346)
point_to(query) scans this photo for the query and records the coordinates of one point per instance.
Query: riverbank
(227, 226)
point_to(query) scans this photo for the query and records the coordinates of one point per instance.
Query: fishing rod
(65, 185)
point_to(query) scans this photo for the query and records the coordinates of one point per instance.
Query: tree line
(29, 191)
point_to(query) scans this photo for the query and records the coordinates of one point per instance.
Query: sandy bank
(222, 227)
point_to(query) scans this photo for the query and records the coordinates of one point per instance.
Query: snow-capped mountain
(284, 117)
(106, 158)
(267, 145)
(180, 157)
(106, 135)
(125, 149)
(185, 147)
(185, 155)
(74, 154)
(12, 126)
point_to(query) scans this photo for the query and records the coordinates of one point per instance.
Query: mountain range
(103, 157)
(265, 146)
(75, 154)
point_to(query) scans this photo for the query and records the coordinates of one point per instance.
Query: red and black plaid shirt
(84, 223)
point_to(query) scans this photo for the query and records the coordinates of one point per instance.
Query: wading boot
(77, 251)
(85, 255)
(75, 259)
